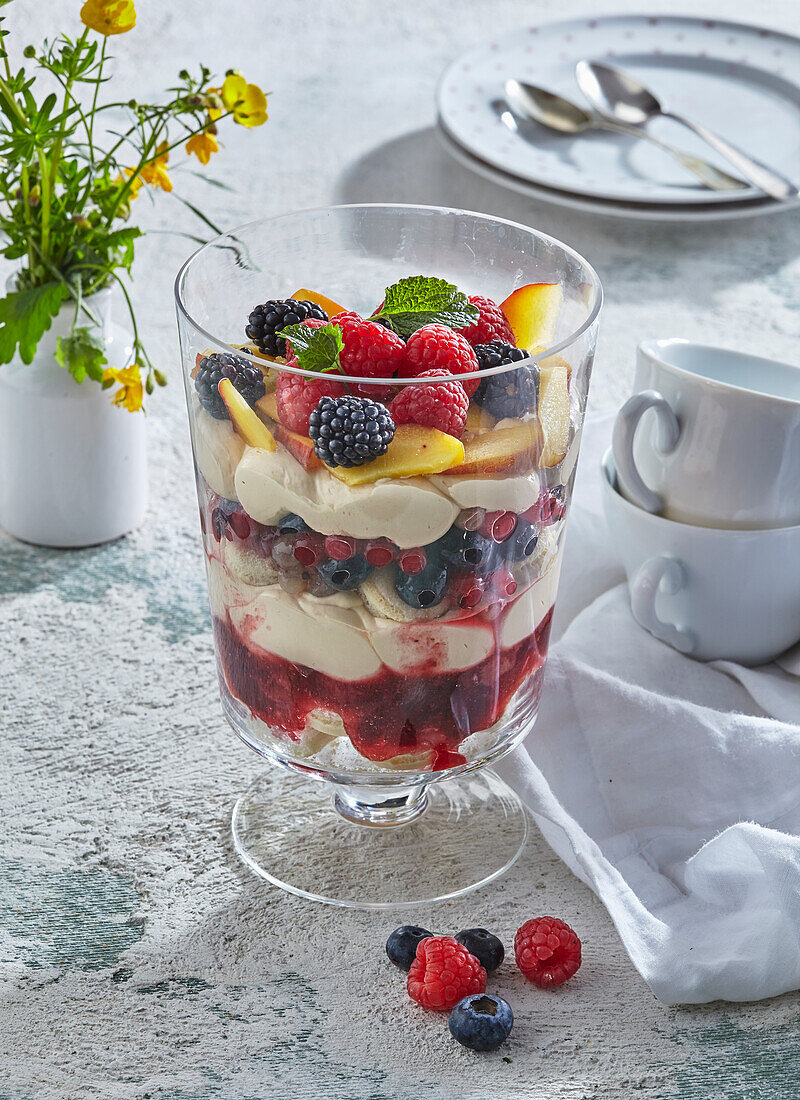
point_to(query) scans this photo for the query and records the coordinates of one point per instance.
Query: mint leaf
(25, 316)
(316, 349)
(420, 300)
(82, 353)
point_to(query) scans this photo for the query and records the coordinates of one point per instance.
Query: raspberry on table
(349, 431)
(514, 393)
(443, 405)
(547, 951)
(439, 348)
(443, 972)
(370, 351)
(491, 324)
(297, 397)
(246, 378)
(268, 320)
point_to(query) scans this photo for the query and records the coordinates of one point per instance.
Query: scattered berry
(443, 405)
(345, 575)
(349, 431)
(401, 947)
(547, 951)
(467, 549)
(443, 972)
(513, 393)
(246, 378)
(423, 589)
(497, 526)
(467, 590)
(297, 397)
(292, 524)
(379, 552)
(370, 351)
(485, 946)
(267, 320)
(481, 1021)
(439, 348)
(491, 324)
(340, 547)
(521, 543)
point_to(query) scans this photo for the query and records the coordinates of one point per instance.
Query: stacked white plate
(742, 81)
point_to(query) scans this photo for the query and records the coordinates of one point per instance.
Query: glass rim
(504, 368)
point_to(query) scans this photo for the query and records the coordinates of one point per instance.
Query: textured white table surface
(139, 959)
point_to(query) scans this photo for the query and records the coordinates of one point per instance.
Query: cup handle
(660, 573)
(625, 426)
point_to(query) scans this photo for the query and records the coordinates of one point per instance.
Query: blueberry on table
(481, 1021)
(401, 947)
(485, 946)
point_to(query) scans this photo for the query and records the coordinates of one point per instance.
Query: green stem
(93, 111)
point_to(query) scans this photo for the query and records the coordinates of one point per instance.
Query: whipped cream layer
(218, 450)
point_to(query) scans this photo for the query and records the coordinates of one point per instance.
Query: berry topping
(267, 320)
(401, 947)
(223, 523)
(467, 590)
(443, 972)
(380, 552)
(498, 525)
(297, 397)
(547, 951)
(491, 323)
(412, 561)
(309, 549)
(521, 543)
(443, 405)
(370, 351)
(467, 549)
(423, 589)
(481, 1021)
(246, 378)
(485, 946)
(439, 348)
(350, 431)
(345, 575)
(340, 547)
(292, 524)
(513, 393)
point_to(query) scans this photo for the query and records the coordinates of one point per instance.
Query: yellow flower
(136, 182)
(154, 172)
(202, 145)
(131, 391)
(109, 16)
(247, 101)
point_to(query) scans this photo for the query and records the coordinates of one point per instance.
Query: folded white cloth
(670, 787)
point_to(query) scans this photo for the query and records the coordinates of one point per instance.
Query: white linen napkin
(670, 787)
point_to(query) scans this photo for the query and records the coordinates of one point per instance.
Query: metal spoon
(567, 117)
(621, 98)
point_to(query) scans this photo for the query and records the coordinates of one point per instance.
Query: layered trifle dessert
(383, 557)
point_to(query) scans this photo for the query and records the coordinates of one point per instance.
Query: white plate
(607, 207)
(742, 81)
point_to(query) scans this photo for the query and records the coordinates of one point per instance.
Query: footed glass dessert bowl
(385, 406)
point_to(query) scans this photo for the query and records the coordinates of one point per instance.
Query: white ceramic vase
(72, 465)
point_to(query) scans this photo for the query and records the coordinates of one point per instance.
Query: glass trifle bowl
(382, 505)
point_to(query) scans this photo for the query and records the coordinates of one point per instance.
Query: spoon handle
(766, 179)
(712, 177)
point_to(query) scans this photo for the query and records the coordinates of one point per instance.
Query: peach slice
(554, 410)
(299, 446)
(414, 452)
(532, 311)
(328, 304)
(478, 420)
(244, 420)
(515, 448)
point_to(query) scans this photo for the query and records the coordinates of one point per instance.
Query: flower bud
(29, 51)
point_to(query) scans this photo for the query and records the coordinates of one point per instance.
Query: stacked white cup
(702, 496)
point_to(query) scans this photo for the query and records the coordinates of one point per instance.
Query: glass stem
(381, 807)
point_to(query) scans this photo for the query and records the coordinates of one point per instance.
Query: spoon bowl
(617, 95)
(547, 108)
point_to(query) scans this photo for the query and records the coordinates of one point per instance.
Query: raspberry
(297, 397)
(443, 972)
(491, 324)
(437, 347)
(442, 406)
(547, 951)
(370, 351)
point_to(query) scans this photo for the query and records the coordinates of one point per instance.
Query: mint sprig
(317, 349)
(421, 300)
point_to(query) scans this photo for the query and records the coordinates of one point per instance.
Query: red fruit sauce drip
(390, 713)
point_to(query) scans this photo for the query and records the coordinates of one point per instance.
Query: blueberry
(345, 575)
(481, 1021)
(486, 948)
(467, 549)
(291, 524)
(425, 589)
(521, 543)
(401, 947)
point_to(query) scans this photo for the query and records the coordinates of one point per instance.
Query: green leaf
(82, 353)
(420, 300)
(316, 349)
(25, 316)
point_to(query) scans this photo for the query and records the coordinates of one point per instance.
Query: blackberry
(246, 377)
(424, 589)
(511, 394)
(349, 431)
(267, 320)
(486, 948)
(401, 947)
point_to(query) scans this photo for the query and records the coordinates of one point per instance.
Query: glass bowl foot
(425, 845)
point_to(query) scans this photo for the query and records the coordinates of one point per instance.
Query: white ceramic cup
(708, 592)
(719, 440)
